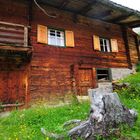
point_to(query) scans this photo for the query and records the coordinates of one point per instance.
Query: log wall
(54, 70)
(51, 66)
(133, 47)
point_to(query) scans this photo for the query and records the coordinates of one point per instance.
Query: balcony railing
(13, 34)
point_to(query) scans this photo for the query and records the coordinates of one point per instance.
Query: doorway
(86, 80)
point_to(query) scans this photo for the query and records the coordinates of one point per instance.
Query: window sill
(56, 46)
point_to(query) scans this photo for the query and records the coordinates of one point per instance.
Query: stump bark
(106, 113)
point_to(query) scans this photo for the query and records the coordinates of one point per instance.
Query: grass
(132, 79)
(26, 124)
(127, 132)
(130, 97)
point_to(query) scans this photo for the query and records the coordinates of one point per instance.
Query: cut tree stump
(106, 114)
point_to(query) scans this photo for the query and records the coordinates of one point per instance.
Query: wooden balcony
(14, 43)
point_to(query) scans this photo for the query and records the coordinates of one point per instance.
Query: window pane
(58, 34)
(105, 45)
(52, 34)
(108, 46)
(105, 42)
(52, 41)
(55, 37)
(101, 41)
(102, 48)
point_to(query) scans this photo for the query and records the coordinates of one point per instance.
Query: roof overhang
(104, 10)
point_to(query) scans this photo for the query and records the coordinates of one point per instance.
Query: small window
(103, 75)
(105, 45)
(56, 37)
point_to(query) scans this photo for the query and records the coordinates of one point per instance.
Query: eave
(104, 10)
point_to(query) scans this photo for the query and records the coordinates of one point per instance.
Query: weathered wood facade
(54, 71)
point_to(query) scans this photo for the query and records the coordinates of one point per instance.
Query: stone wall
(119, 73)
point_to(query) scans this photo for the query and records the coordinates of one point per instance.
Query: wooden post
(95, 83)
(25, 36)
(126, 42)
(137, 46)
(30, 18)
(76, 68)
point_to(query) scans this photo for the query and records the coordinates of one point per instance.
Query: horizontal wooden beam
(119, 18)
(103, 14)
(132, 23)
(87, 8)
(12, 24)
(12, 105)
(64, 4)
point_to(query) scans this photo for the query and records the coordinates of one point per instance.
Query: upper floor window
(105, 45)
(56, 37)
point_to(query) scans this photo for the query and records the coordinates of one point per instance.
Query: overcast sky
(134, 4)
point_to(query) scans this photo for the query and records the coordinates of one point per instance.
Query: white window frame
(105, 45)
(56, 37)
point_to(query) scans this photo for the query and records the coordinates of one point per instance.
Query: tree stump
(106, 113)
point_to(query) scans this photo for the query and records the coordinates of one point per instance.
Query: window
(56, 37)
(105, 45)
(103, 75)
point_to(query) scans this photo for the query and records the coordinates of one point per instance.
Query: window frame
(57, 29)
(109, 43)
(109, 74)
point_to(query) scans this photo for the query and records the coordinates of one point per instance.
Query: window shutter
(42, 34)
(96, 43)
(114, 45)
(69, 38)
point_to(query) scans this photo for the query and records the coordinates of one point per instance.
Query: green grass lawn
(26, 124)
(127, 132)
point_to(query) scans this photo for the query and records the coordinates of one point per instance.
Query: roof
(105, 10)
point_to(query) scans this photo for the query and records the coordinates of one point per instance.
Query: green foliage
(132, 79)
(132, 92)
(130, 96)
(127, 132)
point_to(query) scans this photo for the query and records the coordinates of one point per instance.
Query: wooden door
(12, 86)
(3, 86)
(85, 80)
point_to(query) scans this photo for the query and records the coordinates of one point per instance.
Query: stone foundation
(119, 73)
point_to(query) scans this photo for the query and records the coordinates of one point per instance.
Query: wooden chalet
(52, 48)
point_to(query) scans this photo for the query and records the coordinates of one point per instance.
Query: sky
(134, 4)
